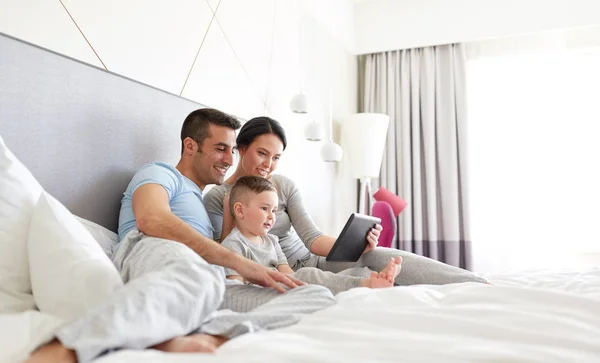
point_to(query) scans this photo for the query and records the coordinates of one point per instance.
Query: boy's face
(257, 216)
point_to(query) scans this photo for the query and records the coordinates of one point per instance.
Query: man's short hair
(246, 185)
(196, 124)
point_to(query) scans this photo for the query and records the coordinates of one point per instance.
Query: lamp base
(364, 198)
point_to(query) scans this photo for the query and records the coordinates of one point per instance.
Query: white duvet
(528, 317)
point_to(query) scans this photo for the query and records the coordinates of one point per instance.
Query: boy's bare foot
(392, 269)
(195, 343)
(376, 281)
(53, 352)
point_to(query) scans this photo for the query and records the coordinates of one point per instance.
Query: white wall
(382, 25)
(247, 64)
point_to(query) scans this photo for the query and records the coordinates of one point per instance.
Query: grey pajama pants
(415, 269)
(336, 282)
(170, 291)
(238, 300)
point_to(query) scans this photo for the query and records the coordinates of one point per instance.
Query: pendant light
(299, 103)
(313, 131)
(330, 151)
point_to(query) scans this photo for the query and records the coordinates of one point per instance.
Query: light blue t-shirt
(185, 198)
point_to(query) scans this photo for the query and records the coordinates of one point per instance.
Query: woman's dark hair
(257, 126)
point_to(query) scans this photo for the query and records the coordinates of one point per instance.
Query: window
(534, 159)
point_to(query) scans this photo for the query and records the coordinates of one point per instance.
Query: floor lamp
(364, 140)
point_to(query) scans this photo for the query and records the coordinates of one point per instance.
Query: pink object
(385, 212)
(383, 195)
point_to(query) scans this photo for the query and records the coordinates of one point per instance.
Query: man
(171, 292)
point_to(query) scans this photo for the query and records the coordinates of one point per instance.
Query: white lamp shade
(299, 103)
(331, 151)
(364, 138)
(313, 131)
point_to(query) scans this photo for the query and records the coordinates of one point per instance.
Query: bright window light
(534, 160)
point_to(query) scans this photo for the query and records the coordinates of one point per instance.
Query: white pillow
(69, 270)
(106, 238)
(19, 193)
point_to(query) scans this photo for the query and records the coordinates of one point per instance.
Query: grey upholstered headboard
(82, 131)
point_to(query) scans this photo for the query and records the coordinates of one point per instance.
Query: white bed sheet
(526, 317)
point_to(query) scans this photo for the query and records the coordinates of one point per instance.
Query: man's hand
(373, 238)
(260, 275)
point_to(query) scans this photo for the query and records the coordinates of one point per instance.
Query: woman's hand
(373, 238)
(263, 276)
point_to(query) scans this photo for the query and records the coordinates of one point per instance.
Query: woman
(260, 144)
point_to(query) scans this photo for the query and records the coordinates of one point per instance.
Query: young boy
(253, 203)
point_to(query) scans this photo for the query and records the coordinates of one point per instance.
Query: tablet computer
(352, 242)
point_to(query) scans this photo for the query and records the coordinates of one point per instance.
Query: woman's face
(261, 156)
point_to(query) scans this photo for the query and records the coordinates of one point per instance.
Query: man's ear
(238, 210)
(190, 146)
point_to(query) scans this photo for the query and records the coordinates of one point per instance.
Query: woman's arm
(235, 277)
(301, 220)
(322, 245)
(228, 222)
(316, 241)
(216, 202)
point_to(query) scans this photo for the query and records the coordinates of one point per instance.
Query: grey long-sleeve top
(294, 226)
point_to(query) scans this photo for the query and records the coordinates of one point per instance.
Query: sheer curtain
(534, 141)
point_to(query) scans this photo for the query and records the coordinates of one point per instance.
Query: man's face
(215, 155)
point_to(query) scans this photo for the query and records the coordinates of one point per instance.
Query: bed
(71, 111)
(539, 316)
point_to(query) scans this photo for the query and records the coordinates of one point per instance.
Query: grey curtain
(423, 92)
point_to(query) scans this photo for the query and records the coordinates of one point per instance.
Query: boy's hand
(373, 238)
(260, 275)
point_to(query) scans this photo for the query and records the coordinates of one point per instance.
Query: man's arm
(154, 218)
(285, 269)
